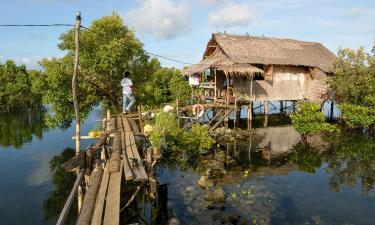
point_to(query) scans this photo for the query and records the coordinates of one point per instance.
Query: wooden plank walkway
(124, 159)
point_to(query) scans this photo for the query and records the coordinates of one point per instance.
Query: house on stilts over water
(237, 69)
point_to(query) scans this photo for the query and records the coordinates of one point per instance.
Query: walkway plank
(131, 156)
(115, 160)
(141, 168)
(127, 170)
(112, 207)
(99, 205)
(126, 125)
(133, 125)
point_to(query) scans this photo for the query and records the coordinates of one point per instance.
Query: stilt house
(247, 68)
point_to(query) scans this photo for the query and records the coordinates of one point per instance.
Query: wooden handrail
(70, 199)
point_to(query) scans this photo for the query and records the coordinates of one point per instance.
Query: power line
(174, 60)
(38, 25)
(72, 25)
(153, 54)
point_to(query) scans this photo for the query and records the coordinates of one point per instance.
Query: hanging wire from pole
(86, 28)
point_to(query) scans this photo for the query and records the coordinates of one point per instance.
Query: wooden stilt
(249, 115)
(235, 116)
(265, 114)
(331, 111)
(139, 107)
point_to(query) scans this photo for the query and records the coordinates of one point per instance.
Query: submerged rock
(231, 219)
(205, 182)
(215, 198)
(190, 189)
(174, 221)
(215, 169)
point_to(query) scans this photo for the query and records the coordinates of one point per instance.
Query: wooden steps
(102, 200)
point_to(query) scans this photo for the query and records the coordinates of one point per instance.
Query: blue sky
(180, 29)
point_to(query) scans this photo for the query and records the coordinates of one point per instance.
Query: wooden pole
(331, 111)
(281, 107)
(265, 114)
(140, 118)
(215, 89)
(75, 100)
(235, 117)
(249, 115)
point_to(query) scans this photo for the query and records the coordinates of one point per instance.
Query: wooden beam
(89, 201)
(141, 168)
(127, 170)
(80, 160)
(133, 125)
(112, 207)
(99, 205)
(115, 159)
(130, 156)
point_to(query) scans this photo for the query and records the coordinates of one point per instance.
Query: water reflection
(18, 128)
(352, 162)
(274, 178)
(63, 182)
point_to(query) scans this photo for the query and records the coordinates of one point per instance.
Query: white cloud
(232, 15)
(356, 11)
(214, 2)
(164, 19)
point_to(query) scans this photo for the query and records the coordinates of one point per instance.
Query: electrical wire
(38, 25)
(86, 28)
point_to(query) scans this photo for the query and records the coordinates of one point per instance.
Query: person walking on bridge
(127, 93)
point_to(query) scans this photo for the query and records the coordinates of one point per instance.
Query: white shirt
(193, 81)
(126, 84)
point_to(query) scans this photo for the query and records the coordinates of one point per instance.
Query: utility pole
(75, 101)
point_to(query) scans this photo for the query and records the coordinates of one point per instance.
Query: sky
(180, 29)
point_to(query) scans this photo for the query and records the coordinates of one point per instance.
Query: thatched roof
(220, 61)
(246, 50)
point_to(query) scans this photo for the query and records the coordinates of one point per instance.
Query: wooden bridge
(113, 161)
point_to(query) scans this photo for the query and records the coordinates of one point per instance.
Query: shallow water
(26, 147)
(287, 182)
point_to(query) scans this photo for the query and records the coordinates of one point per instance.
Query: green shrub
(359, 115)
(309, 119)
(197, 140)
(165, 124)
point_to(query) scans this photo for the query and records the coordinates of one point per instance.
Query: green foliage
(354, 86)
(107, 49)
(63, 182)
(353, 78)
(165, 124)
(358, 115)
(197, 140)
(309, 119)
(165, 85)
(180, 88)
(19, 89)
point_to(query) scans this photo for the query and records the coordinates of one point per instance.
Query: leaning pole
(75, 101)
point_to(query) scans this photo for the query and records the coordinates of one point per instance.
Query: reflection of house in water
(276, 141)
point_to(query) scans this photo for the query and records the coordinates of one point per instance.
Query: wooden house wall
(316, 86)
(288, 83)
